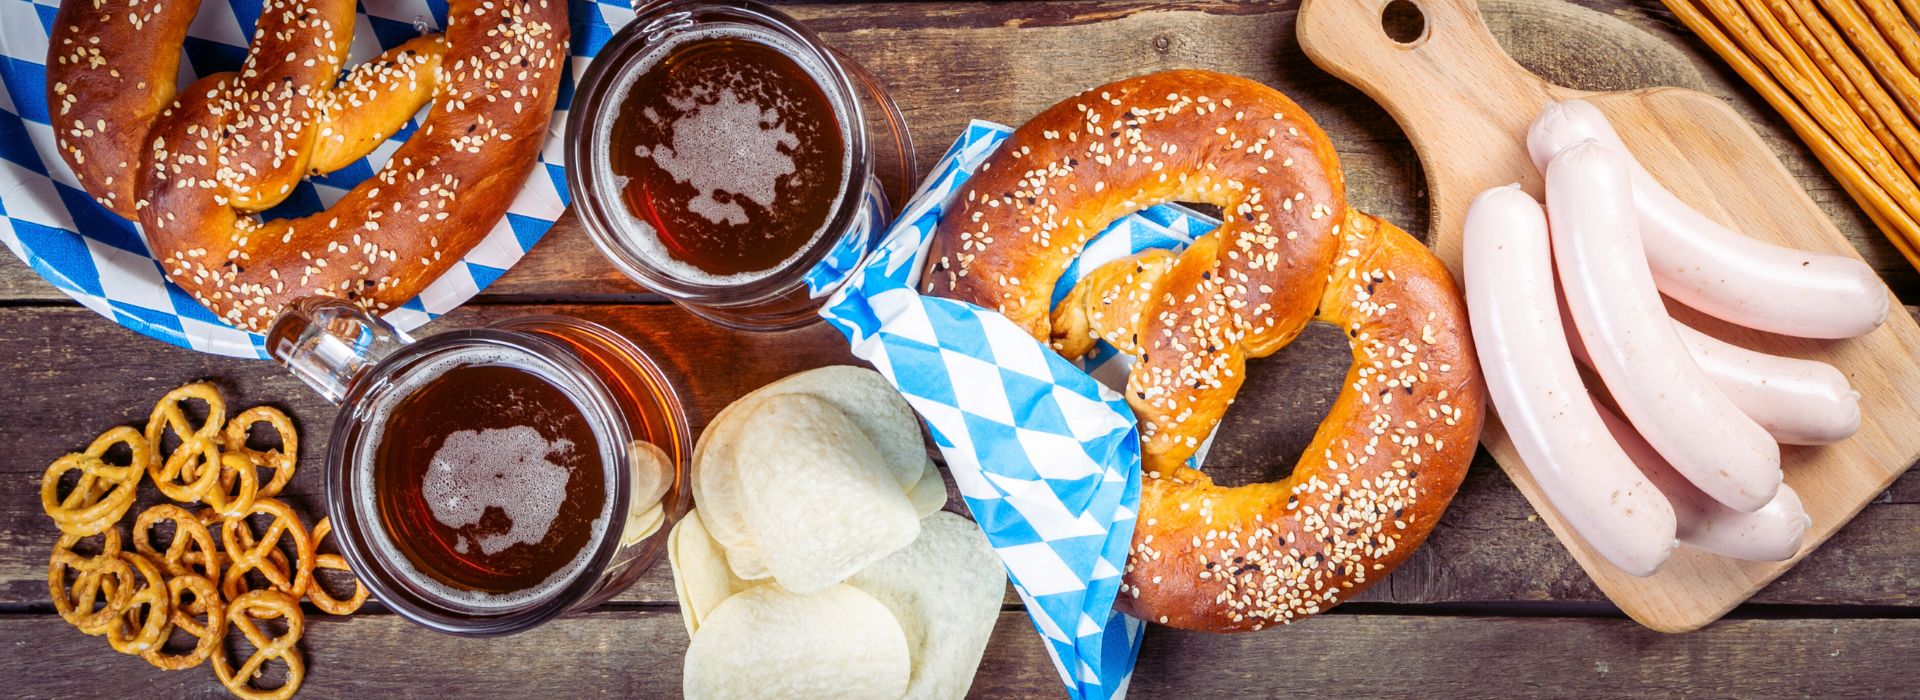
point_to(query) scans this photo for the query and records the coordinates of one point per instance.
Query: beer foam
(727, 146)
(504, 468)
(538, 505)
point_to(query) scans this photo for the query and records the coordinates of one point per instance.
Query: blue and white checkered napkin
(100, 260)
(1046, 455)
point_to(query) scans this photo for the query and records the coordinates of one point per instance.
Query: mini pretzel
(206, 600)
(76, 603)
(282, 460)
(104, 492)
(187, 473)
(245, 553)
(317, 593)
(236, 489)
(241, 615)
(193, 549)
(130, 632)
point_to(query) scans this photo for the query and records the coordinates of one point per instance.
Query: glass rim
(652, 25)
(354, 533)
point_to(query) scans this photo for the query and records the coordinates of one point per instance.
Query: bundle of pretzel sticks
(213, 572)
(1846, 76)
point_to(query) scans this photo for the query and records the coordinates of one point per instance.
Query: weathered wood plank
(950, 62)
(638, 653)
(1489, 548)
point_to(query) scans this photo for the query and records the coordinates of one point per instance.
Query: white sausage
(1717, 270)
(1538, 394)
(1772, 533)
(1798, 402)
(1635, 350)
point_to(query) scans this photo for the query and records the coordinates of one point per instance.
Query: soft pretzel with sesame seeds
(195, 167)
(1397, 442)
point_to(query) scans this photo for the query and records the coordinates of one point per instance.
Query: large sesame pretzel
(194, 167)
(1289, 251)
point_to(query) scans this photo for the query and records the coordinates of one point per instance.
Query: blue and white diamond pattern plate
(99, 259)
(1046, 455)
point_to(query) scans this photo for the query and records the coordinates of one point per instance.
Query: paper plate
(99, 259)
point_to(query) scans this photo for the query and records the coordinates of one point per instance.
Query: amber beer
(721, 155)
(730, 156)
(488, 479)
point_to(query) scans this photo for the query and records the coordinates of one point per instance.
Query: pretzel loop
(281, 460)
(76, 603)
(192, 468)
(243, 614)
(131, 632)
(208, 635)
(246, 553)
(318, 594)
(192, 549)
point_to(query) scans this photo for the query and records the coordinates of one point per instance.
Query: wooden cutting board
(1466, 106)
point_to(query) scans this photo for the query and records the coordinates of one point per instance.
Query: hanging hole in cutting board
(1404, 22)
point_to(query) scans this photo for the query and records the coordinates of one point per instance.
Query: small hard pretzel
(187, 473)
(317, 593)
(241, 615)
(130, 632)
(206, 600)
(282, 460)
(236, 489)
(76, 603)
(192, 550)
(245, 553)
(104, 492)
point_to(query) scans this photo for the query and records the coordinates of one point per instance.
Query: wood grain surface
(1466, 106)
(1492, 605)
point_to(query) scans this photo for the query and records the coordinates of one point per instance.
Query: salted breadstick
(1830, 53)
(1843, 161)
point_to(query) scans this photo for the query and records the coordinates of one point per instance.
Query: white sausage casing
(1635, 349)
(1537, 391)
(1798, 402)
(1773, 533)
(1709, 267)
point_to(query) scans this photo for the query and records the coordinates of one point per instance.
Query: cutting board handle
(1463, 102)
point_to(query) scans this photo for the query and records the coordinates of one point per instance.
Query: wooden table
(1492, 604)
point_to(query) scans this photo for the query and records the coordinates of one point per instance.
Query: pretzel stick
(1886, 64)
(1897, 30)
(1832, 55)
(1840, 122)
(1902, 229)
(1830, 52)
(1823, 77)
(1913, 9)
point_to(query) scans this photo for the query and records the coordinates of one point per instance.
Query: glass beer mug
(483, 481)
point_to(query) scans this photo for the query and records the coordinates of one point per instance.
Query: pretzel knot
(76, 602)
(281, 461)
(193, 468)
(131, 632)
(246, 553)
(318, 594)
(196, 166)
(243, 614)
(191, 551)
(207, 635)
(103, 492)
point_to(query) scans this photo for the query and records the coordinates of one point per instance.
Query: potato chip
(929, 494)
(820, 503)
(768, 642)
(945, 589)
(716, 483)
(701, 579)
(874, 405)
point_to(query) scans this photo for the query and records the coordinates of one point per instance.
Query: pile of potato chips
(817, 562)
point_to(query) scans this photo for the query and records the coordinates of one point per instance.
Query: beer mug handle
(328, 343)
